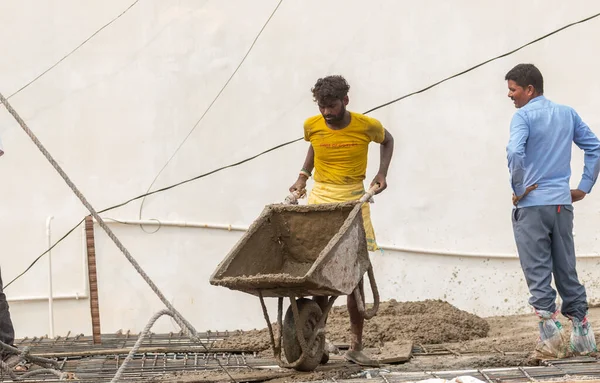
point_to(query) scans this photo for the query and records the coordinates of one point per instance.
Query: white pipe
(227, 227)
(50, 295)
(40, 298)
(415, 250)
(156, 222)
(411, 250)
(74, 296)
(465, 254)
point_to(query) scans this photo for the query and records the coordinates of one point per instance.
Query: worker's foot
(552, 343)
(359, 358)
(582, 338)
(14, 361)
(21, 367)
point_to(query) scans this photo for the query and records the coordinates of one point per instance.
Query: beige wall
(116, 110)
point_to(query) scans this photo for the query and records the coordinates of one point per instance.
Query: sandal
(14, 361)
(360, 359)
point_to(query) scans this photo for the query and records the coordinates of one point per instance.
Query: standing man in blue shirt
(539, 160)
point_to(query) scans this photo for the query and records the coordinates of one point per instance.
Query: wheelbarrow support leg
(359, 296)
(276, 345)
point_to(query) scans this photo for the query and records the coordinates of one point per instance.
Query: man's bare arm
(385, 158)
(309, 164)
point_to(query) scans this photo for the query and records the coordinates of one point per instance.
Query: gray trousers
(7, 332)
(544, 237)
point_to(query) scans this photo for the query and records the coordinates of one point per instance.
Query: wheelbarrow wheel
(309, 315)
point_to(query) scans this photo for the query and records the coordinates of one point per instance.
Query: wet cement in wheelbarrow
(427, 322)
(303, 239)
(285, 244)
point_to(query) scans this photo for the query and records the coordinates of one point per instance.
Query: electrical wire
(209, 107)
(299, 139)
(150, 193)
(73, 51)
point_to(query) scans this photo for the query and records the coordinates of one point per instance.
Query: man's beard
(335, 119)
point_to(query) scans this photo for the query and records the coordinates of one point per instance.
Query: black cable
(203, 175)
(34, 80)
(73, 51)
(44, 253)
(483, 63)
(210, 105)
(299, 139)
(147, 194)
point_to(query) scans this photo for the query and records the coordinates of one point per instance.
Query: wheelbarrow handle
(369, 193)
(293, 197)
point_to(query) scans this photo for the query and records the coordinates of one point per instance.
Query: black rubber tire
(310, 313)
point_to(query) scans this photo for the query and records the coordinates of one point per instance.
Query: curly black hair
(330, 88)
(525, 75)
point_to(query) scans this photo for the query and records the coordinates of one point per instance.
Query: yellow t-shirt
(341, 155)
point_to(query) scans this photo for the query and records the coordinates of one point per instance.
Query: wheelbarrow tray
(298, 250)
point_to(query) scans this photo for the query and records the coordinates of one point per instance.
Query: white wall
(115, 111)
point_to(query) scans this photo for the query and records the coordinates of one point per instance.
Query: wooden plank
(391, 353)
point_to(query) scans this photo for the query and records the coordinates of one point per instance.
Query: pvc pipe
(73, 296)
(465, 254)
(410, 250)
(40, 298)
(448, 253)
(242, 228)
(156, 222)
(50, 295)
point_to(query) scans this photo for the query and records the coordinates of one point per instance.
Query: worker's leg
(7, 332)
(533, 229)
(571, 291)
(563, 259)
(357, 322)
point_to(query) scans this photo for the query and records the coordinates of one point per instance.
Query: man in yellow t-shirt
(339, 143)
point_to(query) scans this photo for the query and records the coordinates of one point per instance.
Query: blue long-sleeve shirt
(539, 152)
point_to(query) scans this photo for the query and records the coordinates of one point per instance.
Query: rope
(179, 319)
(138, 343)
(25, 357)
(7, 369)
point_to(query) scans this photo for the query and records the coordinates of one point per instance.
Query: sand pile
(426, 322)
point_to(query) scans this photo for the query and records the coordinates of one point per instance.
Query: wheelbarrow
(298, 251)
